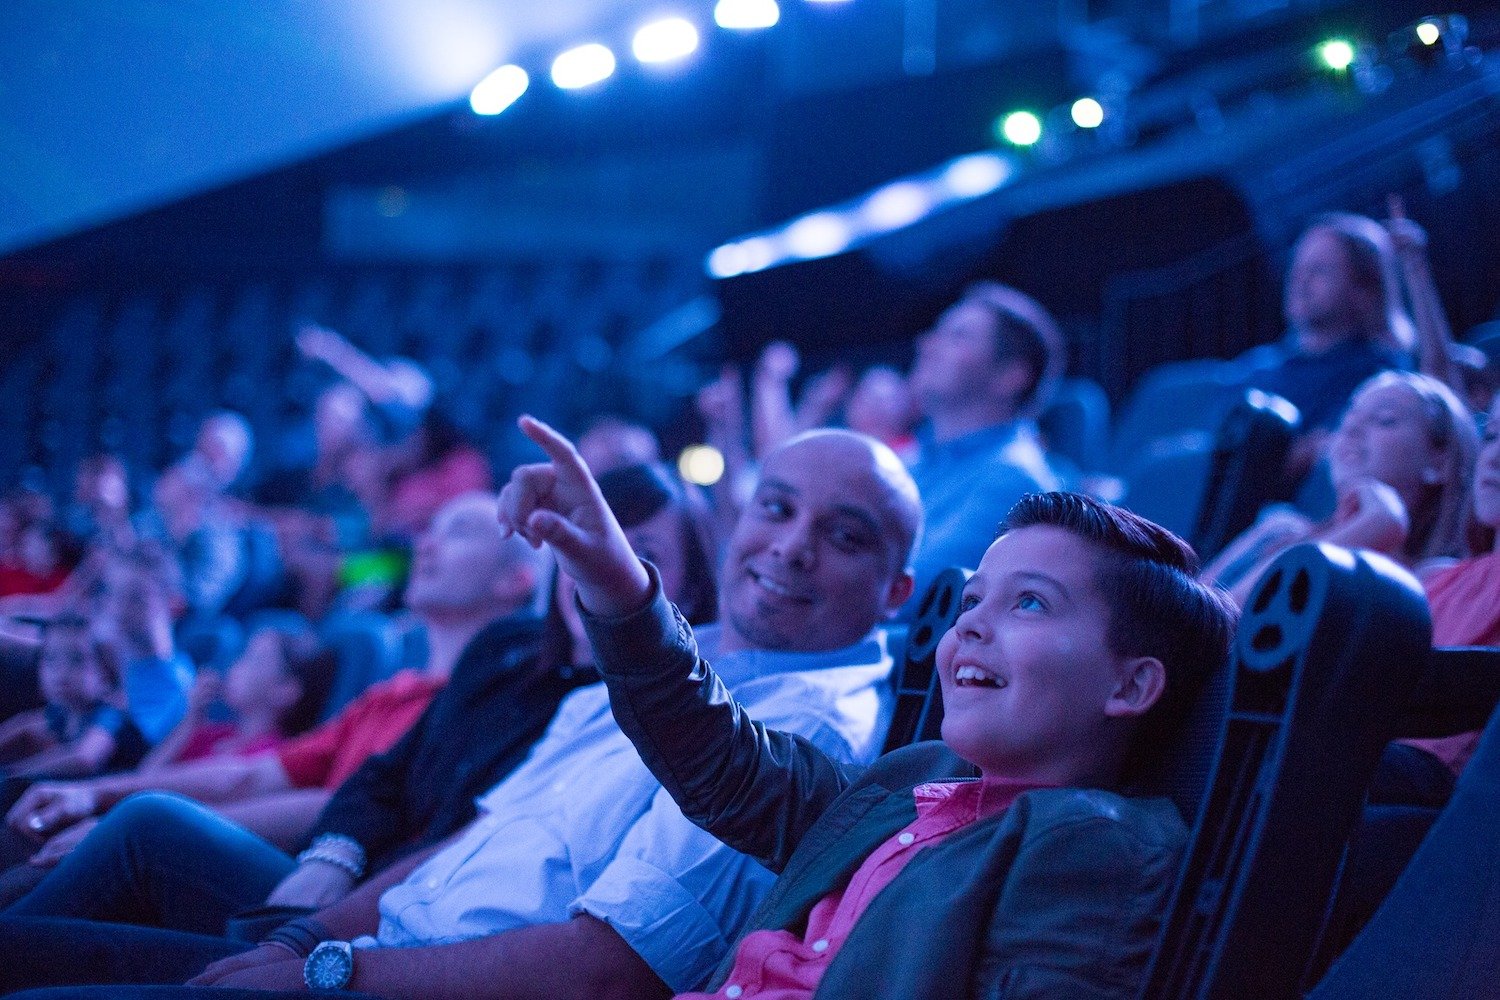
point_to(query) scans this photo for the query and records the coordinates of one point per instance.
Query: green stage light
(1337, 54)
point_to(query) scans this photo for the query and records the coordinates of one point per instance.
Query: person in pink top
(1003, 860)
(1465, 596)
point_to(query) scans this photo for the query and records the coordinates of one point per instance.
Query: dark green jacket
(1060, 896)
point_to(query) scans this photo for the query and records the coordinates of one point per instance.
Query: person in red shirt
(464, 576)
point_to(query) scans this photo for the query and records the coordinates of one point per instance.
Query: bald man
(581, 878)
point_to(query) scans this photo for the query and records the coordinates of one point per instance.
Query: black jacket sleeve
(756, 789)
(371, 805)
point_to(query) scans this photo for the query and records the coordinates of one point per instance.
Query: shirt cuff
(660, 920)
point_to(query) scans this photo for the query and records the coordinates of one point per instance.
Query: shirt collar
(749, 664)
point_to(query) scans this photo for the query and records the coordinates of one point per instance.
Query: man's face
(1321, 290)
(458, 560)
(1027, 671)
(818, 556)
(956, 358)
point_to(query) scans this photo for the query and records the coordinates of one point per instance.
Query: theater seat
(1245, 472)
(918, 712)
(1437, 935)
(1274, 766)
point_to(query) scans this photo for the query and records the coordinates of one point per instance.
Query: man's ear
(1011, 381)
(1140, 683)
(902, 584)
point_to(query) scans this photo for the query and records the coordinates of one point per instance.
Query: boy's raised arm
(559, 503)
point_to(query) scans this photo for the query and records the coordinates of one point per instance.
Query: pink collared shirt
(778, 965)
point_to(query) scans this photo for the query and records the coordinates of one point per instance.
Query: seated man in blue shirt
(987, 366)
(581, 878)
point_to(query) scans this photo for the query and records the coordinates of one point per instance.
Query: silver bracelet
(339, 851)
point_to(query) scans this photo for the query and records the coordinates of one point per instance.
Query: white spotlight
(499, 90)
(664, 41)
(975, 175)
(821, 234)
(897, 205)
(583, 66)
(702, 464)
(1088, 113)
(745, 15)
(728, 261)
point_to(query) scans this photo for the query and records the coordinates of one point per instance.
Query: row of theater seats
(135, 371)
(1333, 660)
(1183, 447)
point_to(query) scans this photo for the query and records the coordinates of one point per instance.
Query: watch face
(328, 967)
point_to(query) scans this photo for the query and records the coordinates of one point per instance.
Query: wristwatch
(330, 966)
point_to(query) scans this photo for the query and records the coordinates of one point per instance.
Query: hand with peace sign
(559, 503)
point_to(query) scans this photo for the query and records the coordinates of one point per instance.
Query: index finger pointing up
(557, 447)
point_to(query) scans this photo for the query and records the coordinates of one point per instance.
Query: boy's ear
(1140, 683)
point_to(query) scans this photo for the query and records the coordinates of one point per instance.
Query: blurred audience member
(1345, 323)
(222, 451)
(1402, 460)
(274, 690)
(40, 562)
(206, 535)
(431, 467)
(612, 442)
(465, 576)
(99, 514)
(82, 729)
(138, 592)
(882, 406)
(986, 367)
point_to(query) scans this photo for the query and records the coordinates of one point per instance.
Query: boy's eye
(1027, 601)
(968, 603)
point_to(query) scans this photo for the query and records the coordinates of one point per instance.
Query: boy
(1082, 641)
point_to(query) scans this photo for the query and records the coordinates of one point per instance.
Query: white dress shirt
(582, 827)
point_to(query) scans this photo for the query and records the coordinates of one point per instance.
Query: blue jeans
(160, 860)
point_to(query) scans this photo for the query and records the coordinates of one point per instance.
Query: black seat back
(1327, 654)
(918, 714)
(1246, 472)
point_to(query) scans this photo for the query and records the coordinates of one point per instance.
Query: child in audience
(1401, 462)
(80, 731)
(1082, 642)
(275, 690)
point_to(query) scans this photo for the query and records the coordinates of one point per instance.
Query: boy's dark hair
(1157, 608)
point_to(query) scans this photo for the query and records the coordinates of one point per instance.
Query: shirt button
(906, 839)
(733, 992)
(432, 883)
(820, 945)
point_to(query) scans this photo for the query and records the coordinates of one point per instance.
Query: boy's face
(1031, 688)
